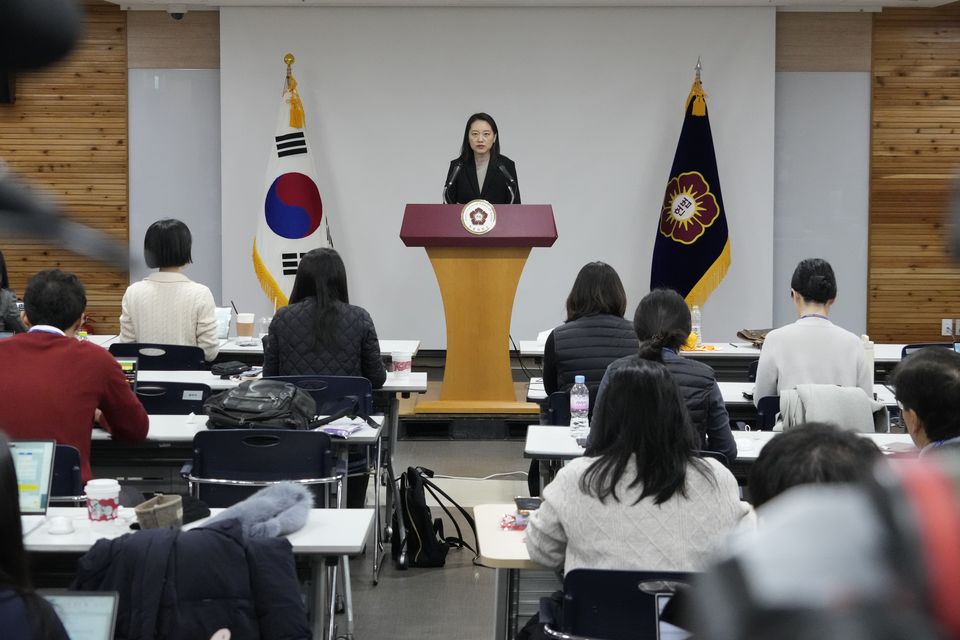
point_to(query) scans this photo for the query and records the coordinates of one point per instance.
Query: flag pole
(699, 67)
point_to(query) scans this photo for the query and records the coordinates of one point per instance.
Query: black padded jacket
(291, 348)
(585, 346)
(698, 386)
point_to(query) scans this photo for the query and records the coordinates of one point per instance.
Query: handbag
(229, 369)
(261, 404)
(425, 542)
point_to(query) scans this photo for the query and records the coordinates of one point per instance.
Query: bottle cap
(579, 379)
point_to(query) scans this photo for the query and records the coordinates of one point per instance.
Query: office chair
(173, 398)
(231, 464)
(160, 357)
(767, 409)
(333, 394)
(558, 408)
(716, 455)
(612, 605)
(67, 484)
(752, 370)
(911, 348)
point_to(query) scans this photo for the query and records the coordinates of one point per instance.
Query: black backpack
(425, 543)
(261, 404)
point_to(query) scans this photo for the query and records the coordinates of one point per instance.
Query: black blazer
(465, 187)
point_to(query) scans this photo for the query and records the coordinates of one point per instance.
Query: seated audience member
(9, 313)
(53, 385)
(812, 350)
(167, 307)
(641, 498)
(927, 384)
(23, 614)
(594, 334)
(662, 323)
(812, 453)
(319, 332)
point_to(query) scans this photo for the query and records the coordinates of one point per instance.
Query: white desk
(506, 551)
(546, 442)
(887, 353)
(230, 345)
(328, 532)
(415, 382)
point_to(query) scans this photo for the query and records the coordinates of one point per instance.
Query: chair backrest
(617, 605)
(910, 348)
(160, 357)
(716, 455)
(67, 482)
(256, 458)
(767, 409)
(173, 398)
(558, 408)
(752, 370)
(327, 390)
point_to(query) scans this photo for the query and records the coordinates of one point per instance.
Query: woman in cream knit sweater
(640, 499)
(167, 307)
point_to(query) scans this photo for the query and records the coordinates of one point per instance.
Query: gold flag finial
(699, 67)
(297, 117)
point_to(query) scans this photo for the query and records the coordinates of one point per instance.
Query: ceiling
(783, 5)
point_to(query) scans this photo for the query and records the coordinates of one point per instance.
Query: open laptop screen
(129, 368)
(86, 615)
(33, 460)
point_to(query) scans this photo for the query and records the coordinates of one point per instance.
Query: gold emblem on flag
(689, 208)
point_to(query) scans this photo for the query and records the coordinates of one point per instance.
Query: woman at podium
(481, 172)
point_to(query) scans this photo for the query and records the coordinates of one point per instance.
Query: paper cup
(103, 499)
(244, 325)
(402, 363)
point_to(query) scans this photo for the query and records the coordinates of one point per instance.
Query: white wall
(822, 187)
(175, 164)
(589, 104)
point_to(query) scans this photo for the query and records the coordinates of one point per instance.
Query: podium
(478, 277)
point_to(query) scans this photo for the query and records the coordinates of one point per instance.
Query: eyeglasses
(477, 135)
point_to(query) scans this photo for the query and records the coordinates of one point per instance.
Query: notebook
(130, 368)
(33, 461)
(86, 615)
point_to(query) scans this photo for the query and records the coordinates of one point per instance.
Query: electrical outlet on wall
(946, 327)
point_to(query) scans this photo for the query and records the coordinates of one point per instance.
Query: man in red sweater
(52, 385)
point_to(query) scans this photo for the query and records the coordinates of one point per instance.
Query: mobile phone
(526, 505)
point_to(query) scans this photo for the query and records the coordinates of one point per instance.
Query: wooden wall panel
(915, 152)
(812, 41)
(67, 135)
(157, 41)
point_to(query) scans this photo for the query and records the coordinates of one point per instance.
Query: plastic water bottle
(695, 319)
(579, 408)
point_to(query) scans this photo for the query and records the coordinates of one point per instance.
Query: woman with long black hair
(640, 499)
(481, 172)
(23, 614)
(319, 332)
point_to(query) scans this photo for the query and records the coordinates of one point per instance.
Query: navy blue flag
(692, 251)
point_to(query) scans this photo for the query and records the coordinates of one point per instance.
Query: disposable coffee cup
(244, 325)
(402, 363)
(103, 499)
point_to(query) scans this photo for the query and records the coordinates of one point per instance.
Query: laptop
(86, 615)
(130, 367)
(33, 461)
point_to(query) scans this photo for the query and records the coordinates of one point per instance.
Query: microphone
(511, 182)
(453, 176)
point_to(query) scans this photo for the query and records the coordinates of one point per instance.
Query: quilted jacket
(586, 346)
(292, 349)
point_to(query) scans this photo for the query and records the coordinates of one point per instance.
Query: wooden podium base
(477, 407)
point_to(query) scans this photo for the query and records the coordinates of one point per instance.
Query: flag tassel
(267, 282)
(699, 97)
(297, 117)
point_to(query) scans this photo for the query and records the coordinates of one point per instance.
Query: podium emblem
(478, 217)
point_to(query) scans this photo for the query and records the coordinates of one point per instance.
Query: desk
(415, 382)
(506, 552)
(230, 346)
(731, 360)
(328, 532)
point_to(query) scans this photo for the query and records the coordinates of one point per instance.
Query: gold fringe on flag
(711, 279)
(297, 117)
(699, 97)
(267, 283)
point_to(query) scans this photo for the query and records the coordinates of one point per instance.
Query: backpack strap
(350, 409)
(426, 474)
